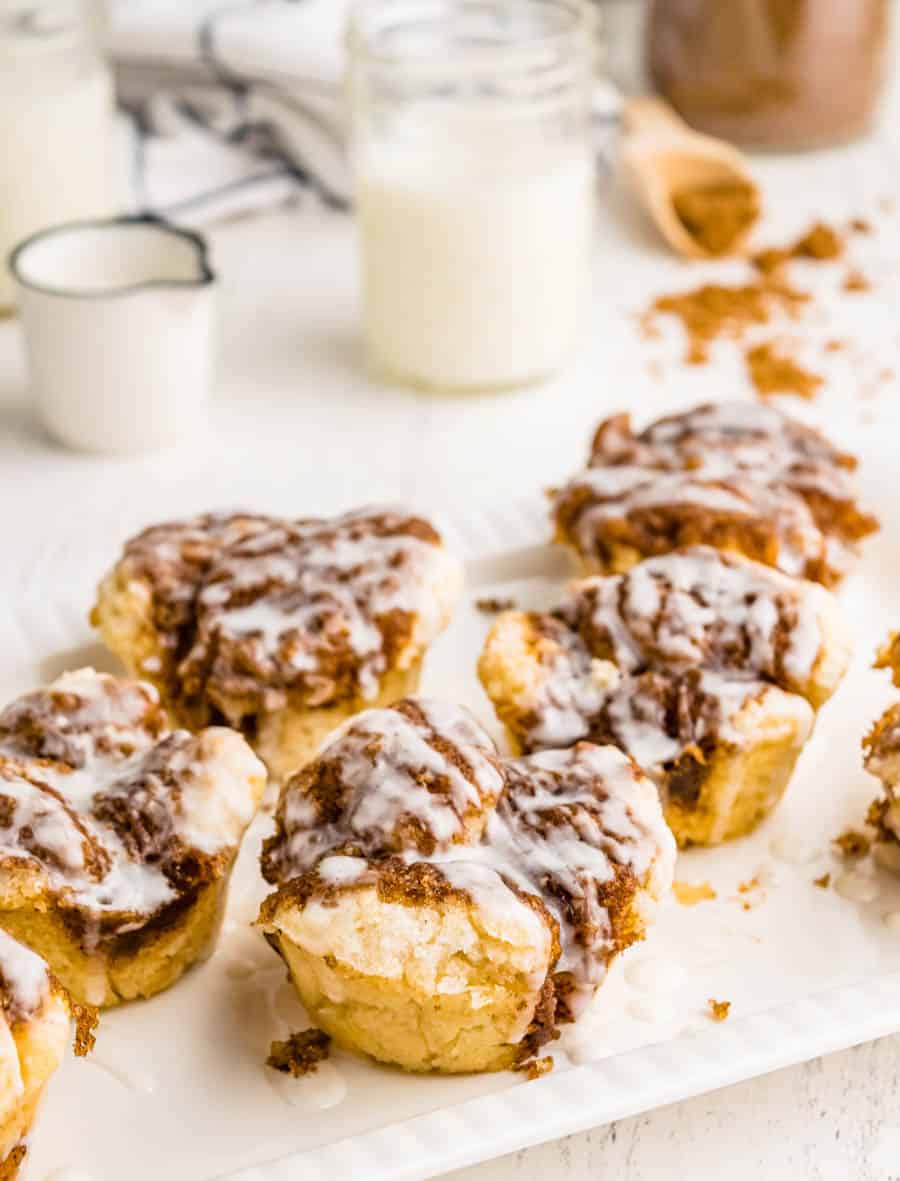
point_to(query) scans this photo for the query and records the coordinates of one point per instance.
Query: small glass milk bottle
(56, 121)
(474, 186)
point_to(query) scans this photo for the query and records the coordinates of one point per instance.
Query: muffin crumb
(823, 882)
(718, 1010)
(852, 844)
(301, 1053)
(690, 893)
(86, 1020)
(535, 1067)
(494, 606)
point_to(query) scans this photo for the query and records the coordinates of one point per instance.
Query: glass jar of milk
(56, 121)
(474, 186)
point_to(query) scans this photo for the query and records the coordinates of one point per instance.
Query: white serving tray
(177, 1086)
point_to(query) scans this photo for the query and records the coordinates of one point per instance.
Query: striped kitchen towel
(234, 106)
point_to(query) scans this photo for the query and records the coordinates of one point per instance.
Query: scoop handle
(647, 113)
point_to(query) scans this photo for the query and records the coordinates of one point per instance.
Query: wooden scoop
(698, 191)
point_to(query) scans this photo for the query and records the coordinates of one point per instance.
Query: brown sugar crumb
(856, 281)
(86, 1019)
(773, 373)
(823, 882)
(491, 606)
(859, 225)
(690, 893)
(9, 1168)
(835, 346)
(715, 310)
(301, 1053)
(717, 215)
(820, 243)
(718, 1010)
(535, 1067)
(852, 844)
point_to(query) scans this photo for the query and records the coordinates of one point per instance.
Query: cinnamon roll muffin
(280, 629)
(444, 909)
(881, 749)
(703, 666)
(34, 1030)
(740, 476)
(117, 834)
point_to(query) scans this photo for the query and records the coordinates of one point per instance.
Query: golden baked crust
(705, 667)
(737, 476)
(280, 628)
(117, 835)
(442, 908)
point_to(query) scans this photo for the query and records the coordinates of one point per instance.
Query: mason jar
(783, 74)
(56, 121)
(474, 186)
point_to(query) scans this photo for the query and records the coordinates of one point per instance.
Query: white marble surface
(292, 397)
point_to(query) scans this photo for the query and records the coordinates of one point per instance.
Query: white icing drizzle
(741, 461)
(95, 793)
(559, 826)
(416, 782)
(24, 978)
(705, 608)
(695, 636)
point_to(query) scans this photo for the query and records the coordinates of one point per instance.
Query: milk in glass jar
(56, 121)
(474, 186)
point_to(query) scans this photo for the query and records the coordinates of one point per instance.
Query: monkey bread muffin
(738, 476)
(444, 909)
(117, 834)
(279, 628)
(34, 1030)
(705, 667)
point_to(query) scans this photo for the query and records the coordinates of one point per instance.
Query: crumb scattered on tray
(852, 844)
(820, 243)
(823, 882)
(856, 281)
(535, 1067)
(9, 1168)
(718, 1010)
(751, 892)
(690, 893)
(301, 1053)
(493, 606)
(716, 310)
(834, 345)
(859, 225)
(774, 373)
(86, 1020)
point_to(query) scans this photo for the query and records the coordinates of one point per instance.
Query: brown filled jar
(771, 73)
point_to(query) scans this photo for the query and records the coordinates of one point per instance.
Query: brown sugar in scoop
(718, 215)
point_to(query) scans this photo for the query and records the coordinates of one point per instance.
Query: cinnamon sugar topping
(248, 608)
(735, 475)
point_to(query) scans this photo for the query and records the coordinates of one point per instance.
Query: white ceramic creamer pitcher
(118, 320)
